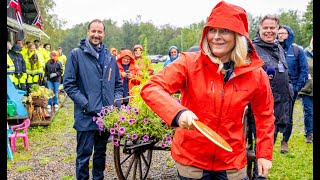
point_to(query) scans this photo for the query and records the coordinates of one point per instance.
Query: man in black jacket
(20, 75)
(92, 80)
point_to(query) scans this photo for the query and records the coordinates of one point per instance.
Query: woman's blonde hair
(239, 54)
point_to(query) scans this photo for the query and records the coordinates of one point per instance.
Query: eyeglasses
(282, 33)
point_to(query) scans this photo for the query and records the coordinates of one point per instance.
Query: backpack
(295, 50)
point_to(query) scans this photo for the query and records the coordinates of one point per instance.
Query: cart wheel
(132, 163)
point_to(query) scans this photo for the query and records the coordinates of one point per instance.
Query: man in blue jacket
(298, 70)
(92, 80)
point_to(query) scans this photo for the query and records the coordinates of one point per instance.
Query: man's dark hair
(44, 46)
(98, 21)
(271, 17)
(28, 42)
(18, 41)
(36, 41)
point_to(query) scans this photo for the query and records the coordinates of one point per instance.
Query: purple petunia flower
(110, 108)
(145, 120)
(128, 136)
(116, 143)
(123, 107)
(112, 131)
(122, 118)
(103, 111)
(136, 111)
(134, 136)
(145, 138)
(131, 121)
(128, 107)
(115, 125)
(163, 146)
(168, 140)
(112, 138)
(122, 130)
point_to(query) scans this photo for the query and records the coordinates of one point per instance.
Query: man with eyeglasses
(297, 65)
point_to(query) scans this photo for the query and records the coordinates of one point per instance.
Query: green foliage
(67, 177)
(69, 159)
(44, 160)
(24, 168)
(307, 24)
(52, 26)
(292, 19)
(137, 120)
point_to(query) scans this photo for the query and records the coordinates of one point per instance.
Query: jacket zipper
(222, 101)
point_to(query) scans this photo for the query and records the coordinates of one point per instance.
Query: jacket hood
(237, 21)
(123, 53)
(114, 49)
(288, 42)
(175, 47)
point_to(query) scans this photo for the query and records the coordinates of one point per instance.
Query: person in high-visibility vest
(20, 74)
(34, 70)
(63, 59)
(34, 65)
(10, 64)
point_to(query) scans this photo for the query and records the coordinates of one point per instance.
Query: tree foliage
(134, 31)
(52, 26)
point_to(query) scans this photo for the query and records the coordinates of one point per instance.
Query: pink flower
(168, 139)
(115, 125)
(112, 131)
(131, 121)
(128, 136)
(116, 143)
(145, 120)
(122, 130)
(122, 118)
(145, 138)
(134, 136)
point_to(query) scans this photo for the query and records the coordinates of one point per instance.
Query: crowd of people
(32, 64)
(218, 80)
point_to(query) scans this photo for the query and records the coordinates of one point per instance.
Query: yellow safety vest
(10, 65)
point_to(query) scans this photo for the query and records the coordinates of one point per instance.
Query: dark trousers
(308, 114)
(288, 130)
(86, 142)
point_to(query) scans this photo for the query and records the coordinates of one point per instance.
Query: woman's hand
(186, 118)
(264, 167)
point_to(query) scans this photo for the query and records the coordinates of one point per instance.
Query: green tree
(307, 24)
(52, 26)
(253, 24)
(292, 19)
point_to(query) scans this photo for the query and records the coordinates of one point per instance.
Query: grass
(297, 164)
(24, 168)
(157, 66)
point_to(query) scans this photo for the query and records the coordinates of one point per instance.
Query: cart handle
(119, 99)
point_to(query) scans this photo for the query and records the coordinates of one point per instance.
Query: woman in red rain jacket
(216, 83)
(130, 73)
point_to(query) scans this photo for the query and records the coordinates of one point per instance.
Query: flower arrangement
(135, 121)
(39, 95)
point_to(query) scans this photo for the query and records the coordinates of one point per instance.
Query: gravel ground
(52, 154)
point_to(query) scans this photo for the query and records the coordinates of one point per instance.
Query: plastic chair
(16, 129)
(9, 152)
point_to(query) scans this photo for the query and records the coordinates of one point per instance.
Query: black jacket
(282, 90)
(53, 67)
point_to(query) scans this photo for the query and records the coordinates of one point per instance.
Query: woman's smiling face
(221, 41)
